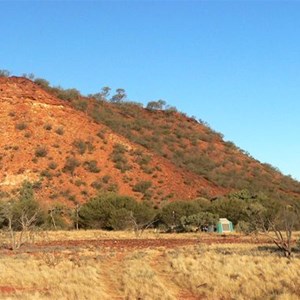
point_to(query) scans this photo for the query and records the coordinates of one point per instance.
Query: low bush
(60, 131)
(142, 186)
(41, 151)
(80, 145)
(70, 165)
(48, 126)
(91, 166)
(21, 126)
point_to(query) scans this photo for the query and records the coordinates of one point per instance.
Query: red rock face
(42, 138)
(70, 157)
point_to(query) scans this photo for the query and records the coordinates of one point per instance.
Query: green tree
(119, 96)
(4, 73)
(142, 217)
(172, 213)
(232, 209)
(198, 220)
(156, 105)
(106, 211)
(105, 91)
(22, 214)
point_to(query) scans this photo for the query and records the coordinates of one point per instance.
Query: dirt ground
(124, 244)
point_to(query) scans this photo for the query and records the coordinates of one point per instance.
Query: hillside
(70, 157)
(72, 147)
(192, 145)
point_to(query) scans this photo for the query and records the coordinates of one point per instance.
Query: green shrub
(171, 213)
(113, 187)
(101, 134)
(114, 212)
(21, 125)
(106, 178)
(80, 145)
(41, 151)
(47, 174)
(52, 165)
(70, 165)
(97, 184)
(68, 94)
(79, 182)
(44, 84)
(48, 126)
(23, 207)
(196, 221)
(91, 166)
(119, 158)
(90, 147)
(142, 186)
(60, 131)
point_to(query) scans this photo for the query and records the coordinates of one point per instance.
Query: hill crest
(71, 158)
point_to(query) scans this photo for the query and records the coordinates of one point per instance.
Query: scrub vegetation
(187, 142)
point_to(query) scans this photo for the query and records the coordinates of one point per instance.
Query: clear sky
(234, 64)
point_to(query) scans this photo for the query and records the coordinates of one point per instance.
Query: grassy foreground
(55, 269)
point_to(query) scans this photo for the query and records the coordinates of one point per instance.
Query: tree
(106, 211)
(277, 222)
(119, 96)
(172, 213)
(55, 216)
(142, 217)
(156, 105)
(198, 220)
(284, 229)
(115, 212)
(103, 95)
(233, 209)
(105, 91)
(29, 76)
(22, 214)
(4, 73)
(76, 215)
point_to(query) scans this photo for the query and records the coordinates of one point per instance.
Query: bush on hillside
(142, 186)
(91, 166)
(70, 165)
(41, 151)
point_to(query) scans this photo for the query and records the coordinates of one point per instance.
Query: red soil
(24, 102)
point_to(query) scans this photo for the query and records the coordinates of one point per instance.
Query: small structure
(224, 226)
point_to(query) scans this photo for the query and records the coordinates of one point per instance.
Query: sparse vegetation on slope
(138, 145)
(189, 143)
(49, 142)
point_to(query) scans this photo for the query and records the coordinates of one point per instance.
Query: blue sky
(234, 64)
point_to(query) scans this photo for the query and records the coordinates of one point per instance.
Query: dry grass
(235, 273)
(216, 271)
(62, 235)
(34, 278)
(139, 280)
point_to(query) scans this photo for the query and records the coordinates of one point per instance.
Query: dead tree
(77, 209)
(139, 228)
(27, 223)
(19, 223)
(280, 228)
